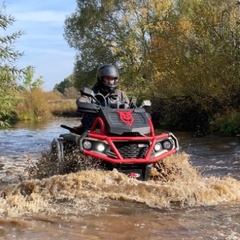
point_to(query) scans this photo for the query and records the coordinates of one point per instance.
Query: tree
(29, 83)
(66, 83)
(9, 74)
(119, 33)
(202, 60)
(163, 48)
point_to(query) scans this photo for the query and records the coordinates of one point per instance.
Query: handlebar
(66, 127)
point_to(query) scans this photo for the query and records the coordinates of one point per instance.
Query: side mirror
(146, 103)
(133, 102)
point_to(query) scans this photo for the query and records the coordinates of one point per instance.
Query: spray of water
(174, 182)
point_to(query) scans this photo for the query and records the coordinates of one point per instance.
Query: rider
(107, 82)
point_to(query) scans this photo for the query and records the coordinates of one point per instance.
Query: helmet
(107, 70)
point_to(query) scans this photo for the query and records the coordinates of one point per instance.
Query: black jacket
(116, 97)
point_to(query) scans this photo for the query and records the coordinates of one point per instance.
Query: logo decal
(133, 175)
(126, 117)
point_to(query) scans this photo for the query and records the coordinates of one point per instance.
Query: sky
(42, 43)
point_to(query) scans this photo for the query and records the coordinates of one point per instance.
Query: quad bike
(121, 137)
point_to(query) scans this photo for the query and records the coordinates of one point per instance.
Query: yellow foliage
(33, 105)
(37, 104)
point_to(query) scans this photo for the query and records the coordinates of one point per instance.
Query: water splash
(89, 190)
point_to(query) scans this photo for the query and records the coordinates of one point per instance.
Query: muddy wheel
(57, 151)
(66, 156)
(148, 171)
(78, 162)
(74, 160)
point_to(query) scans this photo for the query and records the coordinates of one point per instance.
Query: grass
(37, 104)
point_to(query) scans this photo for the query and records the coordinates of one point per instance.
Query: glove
(76, 129)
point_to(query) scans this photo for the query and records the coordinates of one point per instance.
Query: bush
(63, 107)
(227, 123)
(33, 105)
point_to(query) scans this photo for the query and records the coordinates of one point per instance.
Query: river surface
(203, 202)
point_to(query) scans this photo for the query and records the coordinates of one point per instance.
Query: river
(203, 202)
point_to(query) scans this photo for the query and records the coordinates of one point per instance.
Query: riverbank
(165, 115)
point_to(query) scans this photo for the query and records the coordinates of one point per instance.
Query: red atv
(121, 137)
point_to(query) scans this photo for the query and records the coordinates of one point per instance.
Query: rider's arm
(86, 117)
(125, 98)
(122, 96)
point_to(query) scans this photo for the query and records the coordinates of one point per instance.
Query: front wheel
(57, 153)
(69, 158)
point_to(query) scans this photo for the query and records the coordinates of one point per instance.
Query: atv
(121, 137)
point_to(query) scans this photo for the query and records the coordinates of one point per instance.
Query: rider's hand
(76, 129)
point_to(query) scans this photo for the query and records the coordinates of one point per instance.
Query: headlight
(157, 147)
(167, 145)
(87, 144)
(100, 147)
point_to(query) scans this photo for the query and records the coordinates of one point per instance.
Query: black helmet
(107, 70)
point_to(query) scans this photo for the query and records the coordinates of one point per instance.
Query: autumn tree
(164, 49)
(202, 60)
(119, 33)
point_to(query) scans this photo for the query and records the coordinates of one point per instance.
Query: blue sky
(43, 43)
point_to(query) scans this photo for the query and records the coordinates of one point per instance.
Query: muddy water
(201, 201)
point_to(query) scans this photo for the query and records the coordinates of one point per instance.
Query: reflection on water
(202, 202)
(213, 155)
(25, 138)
